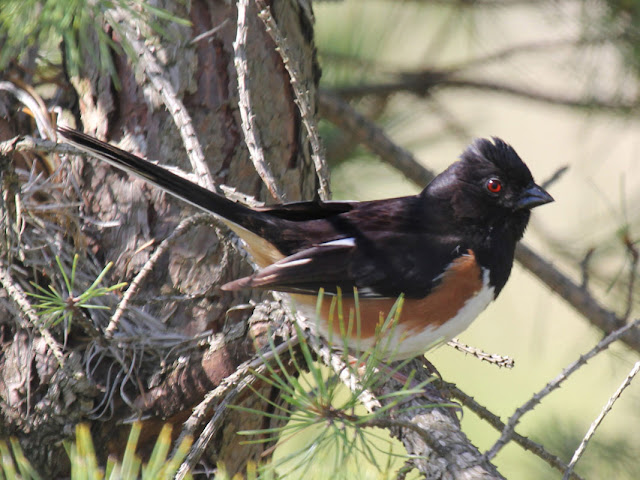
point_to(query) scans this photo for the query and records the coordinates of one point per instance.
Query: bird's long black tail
(180, 187)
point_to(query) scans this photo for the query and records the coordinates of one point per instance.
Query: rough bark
(432, 434)
(204, 78)
(181, 289)
(125, 221)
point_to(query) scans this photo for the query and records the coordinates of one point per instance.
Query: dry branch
(421, 83)
(494, 420)
(438, 447)
(493, 358)
(28, 318)
(183, 227)
(343, 115)
(596, 423)
(164, 88)
(249, 124)
(303, 99)
(575, 295)
(602, 345)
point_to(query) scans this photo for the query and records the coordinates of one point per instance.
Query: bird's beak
(533, 196)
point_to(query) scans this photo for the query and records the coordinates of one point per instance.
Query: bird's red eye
(494, 185)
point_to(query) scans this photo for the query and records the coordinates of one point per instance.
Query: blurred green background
(562, 53)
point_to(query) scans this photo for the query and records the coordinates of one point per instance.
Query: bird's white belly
(400, 342)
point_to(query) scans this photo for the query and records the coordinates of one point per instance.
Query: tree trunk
(129, 220)
(180, 339)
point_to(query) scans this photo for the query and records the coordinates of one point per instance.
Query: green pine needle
(78, 24)
(323, 418)
(58, 307)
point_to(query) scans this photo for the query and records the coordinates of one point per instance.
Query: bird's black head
(490, 188)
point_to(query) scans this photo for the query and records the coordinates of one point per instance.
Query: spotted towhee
(449, 250)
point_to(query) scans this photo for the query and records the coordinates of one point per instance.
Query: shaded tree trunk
(130, 220)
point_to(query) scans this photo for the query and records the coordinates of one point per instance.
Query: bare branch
(183, 227)
(390, 423)
(450, 121)
(600, 104)
(545, 46)
(199, 446)
(302, 98)
(633, 253)
(228, 390)
(36, 106)
(209, 33)
(584, 268)
(576, 296)
(493, 358)
(596, 423)
(492, 419)
(508, 430)
(557, 175)
(31, 144)
(335, 361)
(16, 294)
(174, 105)
(422, 83)
(340, 113)
(249, 125)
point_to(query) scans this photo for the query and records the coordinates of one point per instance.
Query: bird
(446, 252)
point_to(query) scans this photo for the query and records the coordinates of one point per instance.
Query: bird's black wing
(391, 265)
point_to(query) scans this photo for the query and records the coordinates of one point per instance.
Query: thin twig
(174, 105)
(336, 362)
(569, 291)
(557, 175)
(389, 423)
(535, 46)
(494, 420)
(249, 124)
(209, 33)
(596, 423)
(198, 448)
(340, 113)
(302, 98)
(603, 344)
(331, 358)
(461, 4)
(633, 253)
(42, 118)
(405, 469)
(422, 83)
(182, 227)
(228, 390)
(255, 364)
(31, 144)
(493, 358)
(235, 383)
(451, 122)
(16, 293)
(584, 268)
(602, 104)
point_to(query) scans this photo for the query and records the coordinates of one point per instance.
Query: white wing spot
(368, 292)
(342, 242)
(294, 263)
